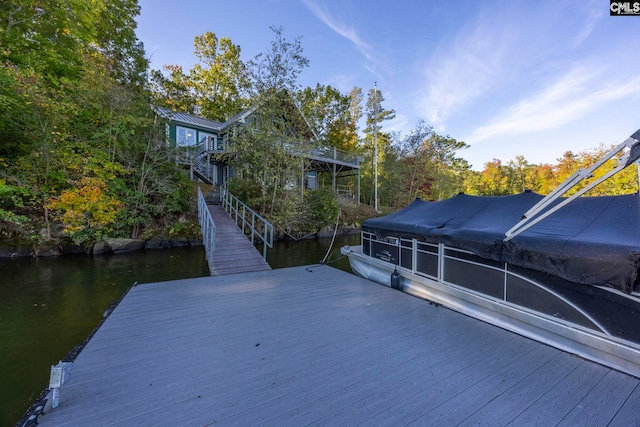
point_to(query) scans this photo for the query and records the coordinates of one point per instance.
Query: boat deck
(318, 346)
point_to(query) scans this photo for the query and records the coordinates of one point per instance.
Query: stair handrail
(200, 163)
(208, 227)
(248, 220)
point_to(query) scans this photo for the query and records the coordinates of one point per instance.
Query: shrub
(321, 208)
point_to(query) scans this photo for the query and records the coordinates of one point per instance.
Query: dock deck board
(318, 346)
(234, 253)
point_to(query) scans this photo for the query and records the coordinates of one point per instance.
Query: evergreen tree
(375, 144)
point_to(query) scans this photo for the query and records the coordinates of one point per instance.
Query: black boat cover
(591, 240)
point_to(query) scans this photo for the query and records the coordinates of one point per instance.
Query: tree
(277, 68)
(329, 115)
(115, 26)
(269, 149)
(355, 106)
(73, 87)
(543, 179)
(414, 171)
(222, 81)
(495, 179)
(88, 209)
(216, 87)
(375, 139)
(520, 175)
(172, 91)
(153, 189)
(43, 169)
(445, 168)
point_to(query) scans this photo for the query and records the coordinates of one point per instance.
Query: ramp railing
(207, 226)
(252, 224)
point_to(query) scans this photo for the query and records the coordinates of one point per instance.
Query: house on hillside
(206, 152)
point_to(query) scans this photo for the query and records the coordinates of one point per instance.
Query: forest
(83, 156)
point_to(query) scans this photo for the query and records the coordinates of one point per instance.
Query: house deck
(318, 346)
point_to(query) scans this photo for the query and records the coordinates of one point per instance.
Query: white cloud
(502, 52)
(574, 95)
(340, 28)
(466, 68)
(595, 12)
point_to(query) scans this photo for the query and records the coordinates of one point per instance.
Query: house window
(185, 137)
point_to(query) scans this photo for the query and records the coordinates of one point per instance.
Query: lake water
(50, 305)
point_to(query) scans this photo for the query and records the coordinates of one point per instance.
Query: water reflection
(305, 252)
(49, 305)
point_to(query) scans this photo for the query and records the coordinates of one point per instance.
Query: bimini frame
(541, 210)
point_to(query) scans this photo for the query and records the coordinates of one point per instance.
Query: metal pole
(335, 172)
(375, 146)
(264, 243)
(253, 225)
(244, 216)
(358, 184)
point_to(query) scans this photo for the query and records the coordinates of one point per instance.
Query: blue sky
(532, 78)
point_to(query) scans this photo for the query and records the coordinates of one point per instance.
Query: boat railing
(252, 224)
(463, 269)
(208, 227)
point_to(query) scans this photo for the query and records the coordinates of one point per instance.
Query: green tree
(216, 87)
(413, 164)
(443, 168)
(220, 80)
(519, 175)
(355, 106)
(174, 90)
(543, 179)
(268, 150)
(72, 80)
(279, 67)
(328, 112)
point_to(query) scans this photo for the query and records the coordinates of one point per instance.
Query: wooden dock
(318, 346)
(234, 252)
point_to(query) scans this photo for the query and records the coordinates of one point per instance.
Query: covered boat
(562, 270)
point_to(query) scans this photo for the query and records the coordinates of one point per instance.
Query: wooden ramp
(318, 346)
(234, 252)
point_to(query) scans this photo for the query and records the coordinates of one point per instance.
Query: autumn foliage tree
(75, 114)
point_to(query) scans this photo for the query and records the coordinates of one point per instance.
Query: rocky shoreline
(114, 245)
(118, 245)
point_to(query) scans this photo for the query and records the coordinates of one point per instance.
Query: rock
(178, 242)
(157, 243)
(48, 250)
(120, 245)
(67, 247)
(100, 247)
(15, 252)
